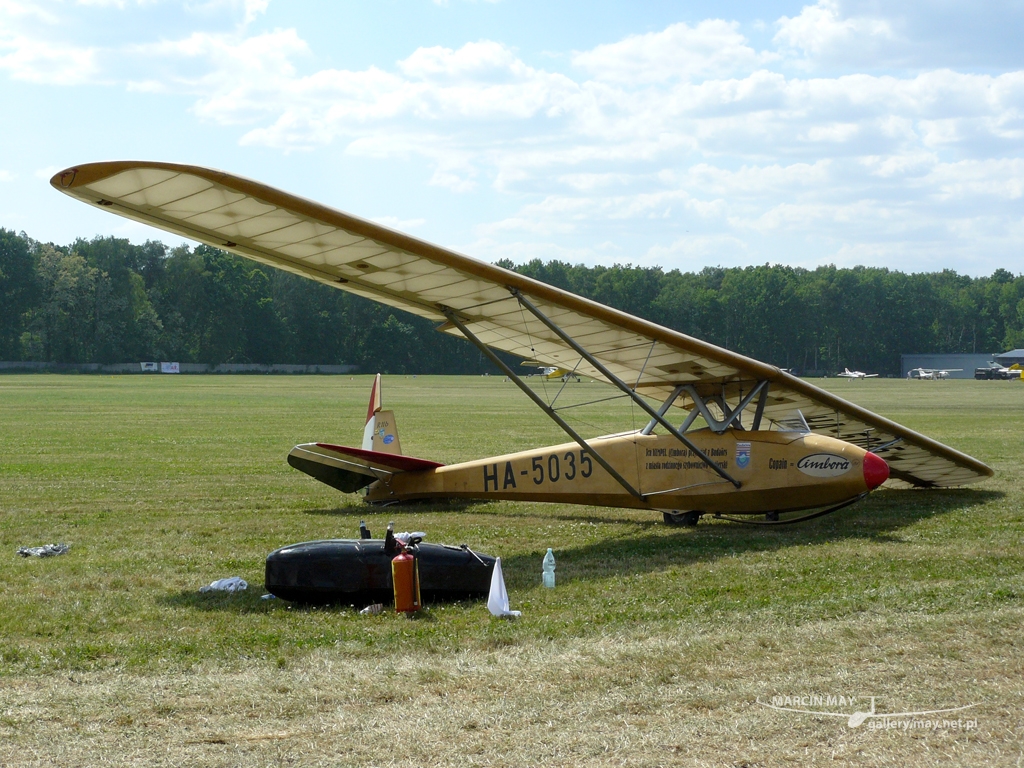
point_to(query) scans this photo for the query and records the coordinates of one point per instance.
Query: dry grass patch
(689, 697)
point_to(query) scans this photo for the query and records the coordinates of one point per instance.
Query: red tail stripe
(401, 463)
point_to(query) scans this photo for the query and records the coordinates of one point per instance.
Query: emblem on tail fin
(381, 431)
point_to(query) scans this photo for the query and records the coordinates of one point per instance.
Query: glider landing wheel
(688, 519)
(771, 517)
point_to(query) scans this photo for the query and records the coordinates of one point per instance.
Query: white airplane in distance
(848, 374)
(552, 372)
(931, 373)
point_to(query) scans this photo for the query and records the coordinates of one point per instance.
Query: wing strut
(454, 320)
(663, 410)
(730, 415)
(624, 387)
(759, 411)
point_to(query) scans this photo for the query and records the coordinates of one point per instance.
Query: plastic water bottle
(548, 569)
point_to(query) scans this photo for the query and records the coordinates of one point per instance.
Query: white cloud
(822, 34)
(691, 253)
(393, 222)
(439, 91)
(35, 61)
(452, 181)
(249, 9)
(233, 76)
(758, 181)
(589, 182)
(16, 10)
(905, 163)
(521, 251)
(475, 62)
(553, 215)
(119, 4)
(712, 47)
(254, 9)
(998, 178)
(855, 162)
(687, 126)
(805, 216)
(6, 176)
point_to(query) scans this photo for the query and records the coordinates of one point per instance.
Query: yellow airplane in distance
(552, 372)
(726, 435)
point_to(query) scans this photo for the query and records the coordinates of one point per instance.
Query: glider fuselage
(776, 470)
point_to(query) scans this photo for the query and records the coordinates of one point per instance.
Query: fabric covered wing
(309, 239)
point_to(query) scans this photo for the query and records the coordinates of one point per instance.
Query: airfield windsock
(381, 431)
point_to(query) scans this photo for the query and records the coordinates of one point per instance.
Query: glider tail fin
(381, 431)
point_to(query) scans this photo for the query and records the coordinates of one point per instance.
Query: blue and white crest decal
(389, 439)
(742, 455)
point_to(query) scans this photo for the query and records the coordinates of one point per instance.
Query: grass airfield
(654, 649)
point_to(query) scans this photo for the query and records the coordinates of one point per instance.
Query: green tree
(60, 328)
(19, 291)
(126, 326)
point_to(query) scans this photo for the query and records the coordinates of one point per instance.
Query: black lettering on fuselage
(489, 477)
(510, 477)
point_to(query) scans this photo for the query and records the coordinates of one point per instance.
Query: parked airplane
(770, 442)
(931, 373)
(848, 374)
(552, 372)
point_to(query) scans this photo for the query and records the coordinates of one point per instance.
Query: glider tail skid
(352, 469)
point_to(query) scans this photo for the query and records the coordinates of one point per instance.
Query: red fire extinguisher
(405, 574)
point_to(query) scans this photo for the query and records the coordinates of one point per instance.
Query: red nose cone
(876, 471)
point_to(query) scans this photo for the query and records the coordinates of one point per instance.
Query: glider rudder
(381, 431)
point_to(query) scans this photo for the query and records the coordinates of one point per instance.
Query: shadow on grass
(249, 601)
(909, 505)
(877, 519)
(524, 510)
(649, 548)
(252, 603)
(361, 511)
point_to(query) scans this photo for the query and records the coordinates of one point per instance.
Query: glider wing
(303, 237)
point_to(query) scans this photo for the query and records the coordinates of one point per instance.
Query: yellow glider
(499, 309)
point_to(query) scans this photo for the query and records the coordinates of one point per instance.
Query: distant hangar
(1015, 356)
(967, 363)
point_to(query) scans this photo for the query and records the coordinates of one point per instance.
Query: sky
(679, 135)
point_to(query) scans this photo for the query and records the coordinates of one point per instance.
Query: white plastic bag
(406, 536)
(232, 584)
(497, 600)
(47, 550)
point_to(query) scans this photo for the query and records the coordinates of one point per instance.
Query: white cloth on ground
(231, 584)
(497, 600)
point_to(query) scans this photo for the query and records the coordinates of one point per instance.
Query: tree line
(107, 300)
